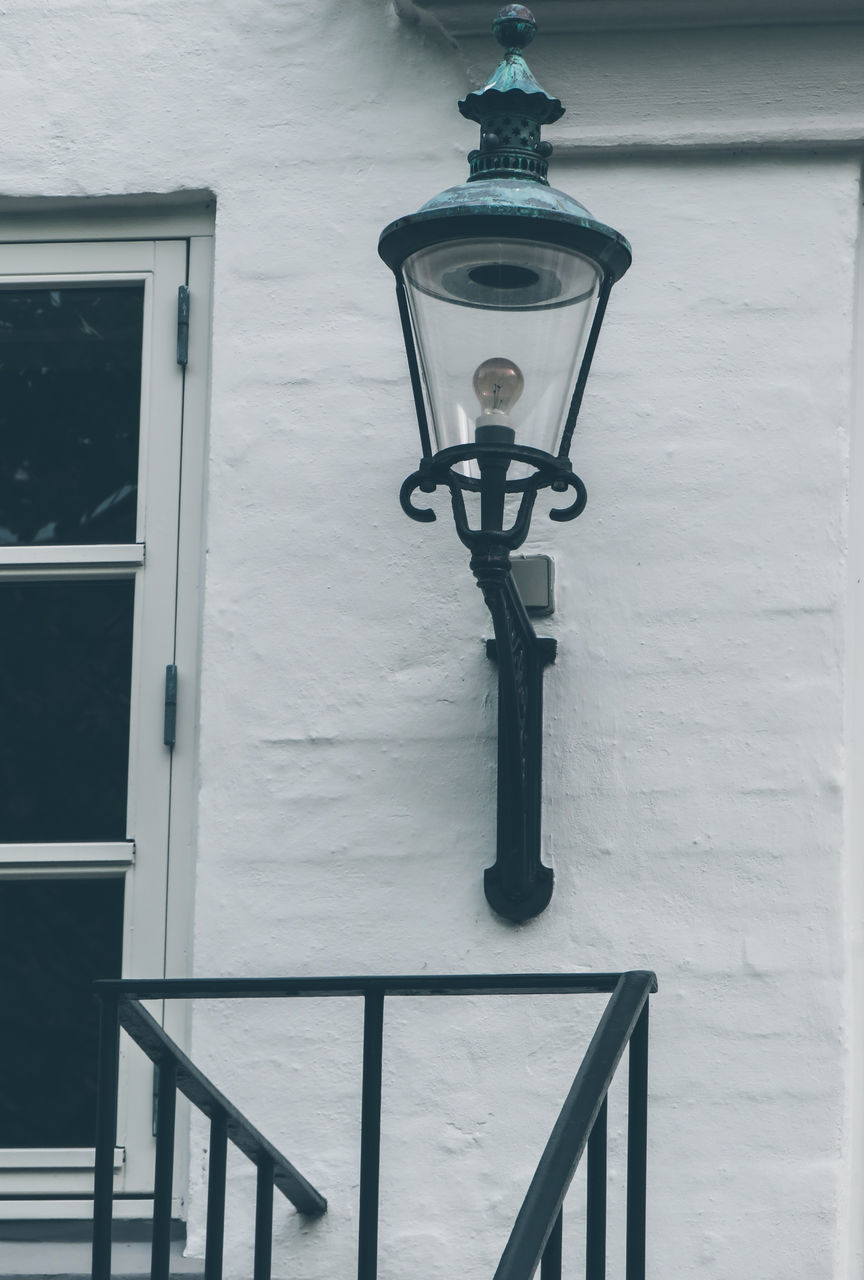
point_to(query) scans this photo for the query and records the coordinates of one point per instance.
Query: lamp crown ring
(515, 26)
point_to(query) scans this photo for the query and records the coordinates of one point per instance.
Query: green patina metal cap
(507, 193)
(511, 107)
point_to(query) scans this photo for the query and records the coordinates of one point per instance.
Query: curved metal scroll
(549, 472)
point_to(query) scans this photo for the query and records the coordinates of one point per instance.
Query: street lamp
(502, 284)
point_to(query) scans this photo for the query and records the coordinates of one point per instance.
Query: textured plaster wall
(694, 780)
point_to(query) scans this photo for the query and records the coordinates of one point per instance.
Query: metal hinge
(169, 736)
(183, 324)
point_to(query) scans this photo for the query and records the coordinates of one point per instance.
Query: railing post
(370, 1135)
(637, 1148)
(572, 1129)
(216, 1174)
(263, 1220)
(595, 1212)
(166, 1104)
(106, 1135)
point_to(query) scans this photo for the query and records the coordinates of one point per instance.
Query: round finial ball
(515, 26)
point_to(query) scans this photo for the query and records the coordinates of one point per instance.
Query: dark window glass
(56, 936)
(70, 392)
(65, 672)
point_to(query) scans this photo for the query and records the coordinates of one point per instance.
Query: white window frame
(165, 247)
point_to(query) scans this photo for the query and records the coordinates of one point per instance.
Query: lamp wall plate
(535, 579)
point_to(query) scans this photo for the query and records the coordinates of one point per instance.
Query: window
(101, 436)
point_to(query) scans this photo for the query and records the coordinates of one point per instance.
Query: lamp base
(493, 459)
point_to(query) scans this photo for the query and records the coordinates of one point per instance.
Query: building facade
(328, 804)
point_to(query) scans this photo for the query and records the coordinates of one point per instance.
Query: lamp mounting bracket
(518, 885)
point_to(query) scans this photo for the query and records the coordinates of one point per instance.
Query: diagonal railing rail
(176, 1073)
(537, 1234)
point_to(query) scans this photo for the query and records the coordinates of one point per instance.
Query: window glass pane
(65, 671)
(56, 936)
(70, 393)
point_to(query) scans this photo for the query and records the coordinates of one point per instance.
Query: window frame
(181, 244)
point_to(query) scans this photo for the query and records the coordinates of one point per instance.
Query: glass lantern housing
(501, 328)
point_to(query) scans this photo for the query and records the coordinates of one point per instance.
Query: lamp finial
(511, 108)
(515, 27)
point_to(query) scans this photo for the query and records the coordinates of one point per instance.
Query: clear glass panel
(56, 936)
(65, 671)
(70, 395)
(501, 328)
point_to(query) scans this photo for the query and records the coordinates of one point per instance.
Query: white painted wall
(695, 763)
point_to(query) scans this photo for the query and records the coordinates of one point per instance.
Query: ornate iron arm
(519, 884)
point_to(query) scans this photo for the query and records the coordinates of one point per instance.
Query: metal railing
(536, 1237)
(537, 1232)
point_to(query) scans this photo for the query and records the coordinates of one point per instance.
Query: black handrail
(177, 1072)
(147, 1033)
(537, 1233)
(541, 1208)
(459, 984)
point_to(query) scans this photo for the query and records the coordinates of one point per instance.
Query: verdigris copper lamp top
(508, 171)
(511, 107)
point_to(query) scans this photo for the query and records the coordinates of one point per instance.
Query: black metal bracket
(519, 884)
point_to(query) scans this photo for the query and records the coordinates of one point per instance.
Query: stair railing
(175, 1072)
(537, 1233)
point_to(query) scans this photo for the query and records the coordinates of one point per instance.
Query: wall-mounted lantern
(502, 283)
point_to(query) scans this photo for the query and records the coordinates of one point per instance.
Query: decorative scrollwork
(519, 673)
(577, 506)
(440, 469)
(418, 480)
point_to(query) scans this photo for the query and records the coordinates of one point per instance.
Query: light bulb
(498, 384)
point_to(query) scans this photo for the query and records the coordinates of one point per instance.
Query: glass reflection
(56, 936)
(70, 393)
(65, 673)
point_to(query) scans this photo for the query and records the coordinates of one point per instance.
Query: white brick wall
(695, 765)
